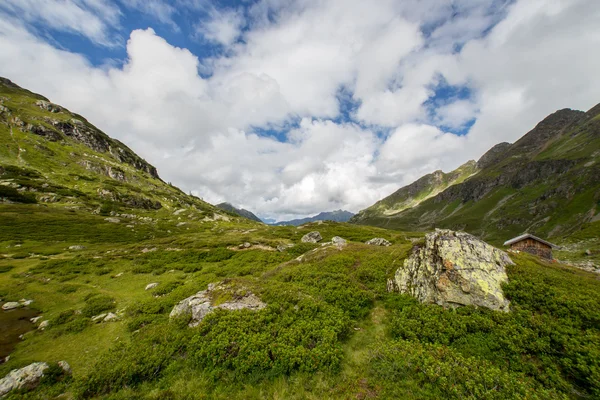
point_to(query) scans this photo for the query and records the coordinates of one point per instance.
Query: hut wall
(533, 247)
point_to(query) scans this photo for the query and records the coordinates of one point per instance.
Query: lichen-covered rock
(151, 285)
(454, 269)
(218, 295)
(378, 242)
(338, 240)
(24, 378)
(312, 237)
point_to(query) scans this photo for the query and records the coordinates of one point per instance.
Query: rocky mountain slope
(238, 211)
(337, 216)
(49, 155)
(546, 183)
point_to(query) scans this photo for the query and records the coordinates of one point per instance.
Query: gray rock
(43, 325)
(25, 303)
(112, 220)
(284, 247)
(312, 237)
(46, 105)
(378, 242)
(181, 224)
(25, 378)
(110, 317)
(151, 285)
(11, 305)
(338, 240)
(65, 367)
(77, 247)
(454, 269)
(34, 320)
(201, 304)
(245, 245)
(98, 318)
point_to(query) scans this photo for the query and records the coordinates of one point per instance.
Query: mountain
(337, 216)
(239, 211)
(546, 183)
(417, 192)
(51, 156)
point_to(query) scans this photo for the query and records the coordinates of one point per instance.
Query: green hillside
(82, 241)
(547, 183)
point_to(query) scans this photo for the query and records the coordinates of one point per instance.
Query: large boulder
(24, 378)
(454, 269)
(312, 237)
(222, 295)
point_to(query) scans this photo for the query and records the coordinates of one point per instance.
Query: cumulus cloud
(263, 127)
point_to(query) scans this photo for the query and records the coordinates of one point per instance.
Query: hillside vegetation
(547, 183)
(81, 242)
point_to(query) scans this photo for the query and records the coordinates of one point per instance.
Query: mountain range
(337, 216)
(239, 211)
(546, 183)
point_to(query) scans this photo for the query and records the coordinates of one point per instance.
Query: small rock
(65, 367)
(110, 317)
(112, 220)
(312, 237)
(284, 247)
(11, 305)
(25, 378)
(245, 245)
(588, 252)
(98, 318)
(179, 211)
(151, 285)
(378, 242)
(34, 320)
(181, 224)
(146, 250)
(26, 303)
(43, 325)
(338, 240)
(77, 247)
(119, 274)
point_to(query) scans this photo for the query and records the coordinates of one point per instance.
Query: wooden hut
(533, 245)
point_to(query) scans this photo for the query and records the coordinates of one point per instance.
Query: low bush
(97, 304)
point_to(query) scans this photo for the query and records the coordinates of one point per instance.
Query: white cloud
(289, 67)
(222, 27)
(90, 18)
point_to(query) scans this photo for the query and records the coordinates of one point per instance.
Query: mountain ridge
(337, 216)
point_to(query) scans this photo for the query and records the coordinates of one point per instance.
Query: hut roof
(529, 236)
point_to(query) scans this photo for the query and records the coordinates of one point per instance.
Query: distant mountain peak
(336, 215)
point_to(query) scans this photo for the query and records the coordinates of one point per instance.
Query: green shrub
(6, 268)
(167, 288)
(97, 304)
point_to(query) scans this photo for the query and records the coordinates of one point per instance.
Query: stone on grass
(284, 247)
(151, 285)
(25, 302)
(11, 305)
(110, 317)
(338, 240)
(454, 269)
(34, 320)
(99, 317)
(43, 325)
(25, 378)
(378, 242)
(312, 237)
(112, 220)
(65, 367)
(201, 304)
(77, 247)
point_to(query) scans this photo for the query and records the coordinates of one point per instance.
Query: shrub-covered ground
(330, 329)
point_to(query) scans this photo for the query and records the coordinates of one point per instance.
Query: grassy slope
(554, 206)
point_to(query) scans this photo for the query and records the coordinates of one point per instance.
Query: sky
(292, 107)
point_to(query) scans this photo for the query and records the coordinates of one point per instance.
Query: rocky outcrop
(312, 237)
(493, 155)
(28, 377)
(222, 295)
(454, 269)
(24, 378)
(378, 242)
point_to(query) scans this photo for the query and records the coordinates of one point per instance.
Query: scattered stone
(77, 247)
(98, 318)
(201, 304)
(65, 367)
(119, 275)
(284, 247)
(110, 317)
(147, 250)
(46, 105)
(454, 269)
(179, 211)
(338, 240)
(312, 237)
(43, 325)
(25, 303)
(11, 305)
(112, 220)
(25, 378)
(378, 242)
(181, 224)
(151, 285)
(245, 245)
(588, 252)
(34, 320)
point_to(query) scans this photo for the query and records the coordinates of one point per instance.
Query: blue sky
(289, 108)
